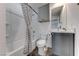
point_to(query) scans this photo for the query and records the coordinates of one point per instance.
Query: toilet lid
(41, 43)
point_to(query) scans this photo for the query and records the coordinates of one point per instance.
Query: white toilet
(41, 45)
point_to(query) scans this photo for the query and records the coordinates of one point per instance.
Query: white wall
(2, 30)
(40, 28)
(44, 27)
(73, 21)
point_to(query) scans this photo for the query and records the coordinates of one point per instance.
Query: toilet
(41, 45)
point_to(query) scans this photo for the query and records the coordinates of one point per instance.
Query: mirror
(55, 17)
(58, 16)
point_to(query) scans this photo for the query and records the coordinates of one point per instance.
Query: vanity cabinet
(63, 44)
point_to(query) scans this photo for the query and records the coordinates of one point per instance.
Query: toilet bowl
(41, 45)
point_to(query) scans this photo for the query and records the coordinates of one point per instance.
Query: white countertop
(62, 31)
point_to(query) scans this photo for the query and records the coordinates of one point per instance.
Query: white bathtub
(17, 52)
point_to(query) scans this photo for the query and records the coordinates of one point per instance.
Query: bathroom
(25, 25)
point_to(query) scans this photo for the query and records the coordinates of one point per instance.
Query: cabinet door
(63, 44)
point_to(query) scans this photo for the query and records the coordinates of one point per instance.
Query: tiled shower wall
(15, 27)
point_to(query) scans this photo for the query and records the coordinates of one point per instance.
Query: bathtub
(17, 52)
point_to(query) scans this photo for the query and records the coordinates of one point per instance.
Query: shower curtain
(28, 19)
